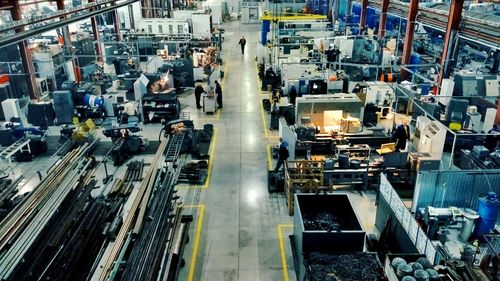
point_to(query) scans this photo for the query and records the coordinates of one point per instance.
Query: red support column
(383, 18)
(25, 53)
(67, 40)
(95, 32)
(116, 23)
(454, 18)
(362, 18)
(131, 16)
(410, 29)
(97, 37)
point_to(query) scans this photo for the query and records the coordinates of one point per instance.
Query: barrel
(488, 212)
(414, 60)
(343, 161)
(425, 89)
(355, 164)
(93, 101)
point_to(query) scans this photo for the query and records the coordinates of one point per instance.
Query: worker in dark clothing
(356, 89)
(491, 140)
(218, 92)
(197, 94)
(242, 43)
(401, 135)
(282, 154)
(292, 95)
(270, 74)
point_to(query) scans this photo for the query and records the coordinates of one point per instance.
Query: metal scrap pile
(348, 267)
(194, 172)
(321, 221)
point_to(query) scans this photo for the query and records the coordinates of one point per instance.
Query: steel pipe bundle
(135, 214)
(26, 221)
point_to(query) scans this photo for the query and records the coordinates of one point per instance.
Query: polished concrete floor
(243, 231)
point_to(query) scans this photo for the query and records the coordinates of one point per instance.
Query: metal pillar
(65, 29)
(131, 16)
(25, 54)
(362, 18)
(116, 23)
(95, 32)
(410, 29)
(454, 18)
(383, 18)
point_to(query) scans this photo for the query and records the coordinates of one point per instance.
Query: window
(160, 28)
(170, 29)
(150, 28)
(180, 28)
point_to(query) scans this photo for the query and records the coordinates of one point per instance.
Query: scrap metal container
(345, 236)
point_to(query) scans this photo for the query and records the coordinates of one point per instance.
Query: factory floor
(239, 230)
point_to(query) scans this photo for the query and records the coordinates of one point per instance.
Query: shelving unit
(160, 106)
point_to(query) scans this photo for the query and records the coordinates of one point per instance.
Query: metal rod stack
(146, 256)
(133, 214)
(124, 186)
(27, 220)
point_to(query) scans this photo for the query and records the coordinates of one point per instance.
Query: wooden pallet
(302, 176)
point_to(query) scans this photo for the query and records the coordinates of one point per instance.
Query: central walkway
(239, 227)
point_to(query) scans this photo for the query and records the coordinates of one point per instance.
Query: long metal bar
(129, 220)
(30, 33)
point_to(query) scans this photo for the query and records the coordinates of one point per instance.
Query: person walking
(197, 94)
(491, 140)
(282, 154)
(401, 135)
(292, 95)
(242, 43)
(218, 92)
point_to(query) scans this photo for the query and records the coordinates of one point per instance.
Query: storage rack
(162, 105)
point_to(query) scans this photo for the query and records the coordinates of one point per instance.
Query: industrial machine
(438, 219)
(338, 113)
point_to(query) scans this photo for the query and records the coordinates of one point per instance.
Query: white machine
(209, 104)
(11, 109)
(430, 137)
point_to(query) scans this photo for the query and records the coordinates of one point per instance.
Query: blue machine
(488, 212)
(414, 60)
(93, 100)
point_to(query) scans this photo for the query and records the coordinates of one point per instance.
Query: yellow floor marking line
(211, 159)
(197, 238)
(210, 165)
(281, 239)
(269, 158)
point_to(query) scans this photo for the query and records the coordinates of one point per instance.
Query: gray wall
(453, 188)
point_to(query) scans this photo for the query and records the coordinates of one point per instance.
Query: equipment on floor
(438, 220)
(210, 103)
(160, 106)
(194, 172)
